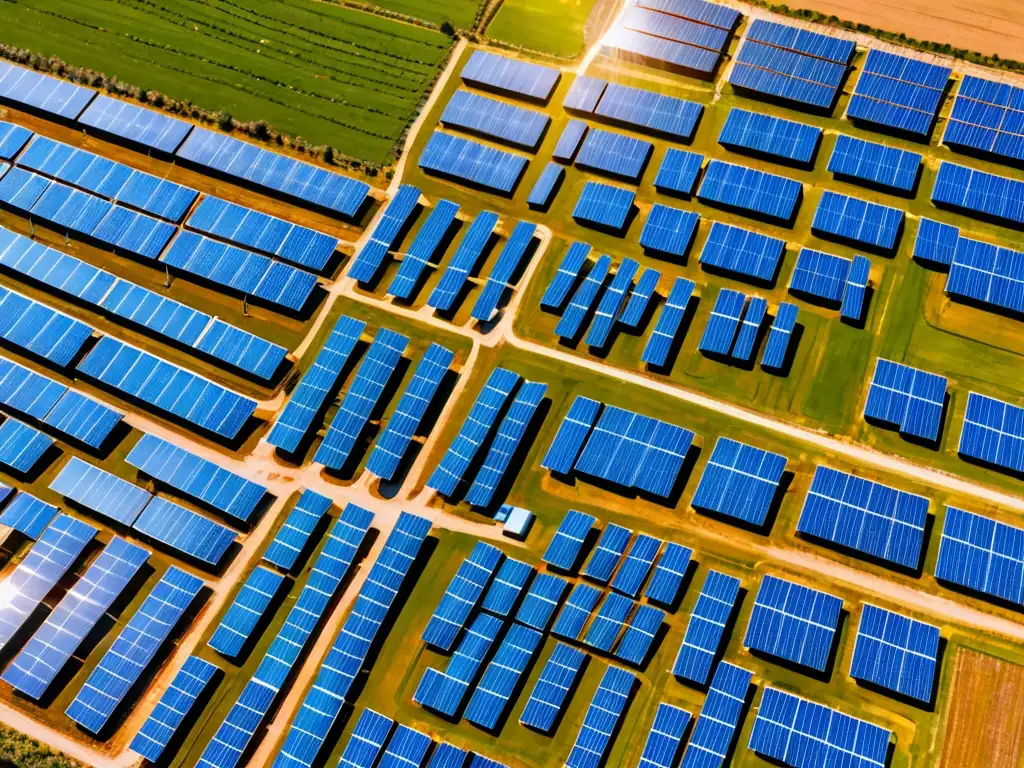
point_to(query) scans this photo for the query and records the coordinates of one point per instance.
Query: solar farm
(664, 409)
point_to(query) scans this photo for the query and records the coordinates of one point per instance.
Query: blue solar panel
(292, 538)
(645, 110)
(26, 391)
(906, 398)
(724, 323)
(776, 350)
(850, 219)
(820, 275)
(855, 292)
(448, 756)
(979, 194)
(547, 184)
(762, 134)
(987, 117)
(614, 154)
(740, 481)
(146, 128)
(936, 242)
(719, 719)
(424, 246)
(584, 94)
(99, 491)
(395, 216)
(367, 740)
(796, 39)
(692, 59)
(508, 265)
(678, 172)
(993, 433)
(608, 552)
(542, 601)
(875, 164)
(641, 632)
(74, 617)
(750, 191)
(572, 432)
(83, 419)
(445, 692)
(569, 141)
(316, 385)
(633, 572)
(601, 721)
(566, 546)
(665, 739)
(987, 275)
(454, 157)
(462, 596)
(404, 423)
(39, 330)
(558, 290)
(502, 677)
(58, 98)
(750, 330)
(669, 231)
(451, 471)
(263, 168)
(509, 582)
(551, 692)
(602, 205)
(806, 82)
(133, 650)
(407, 747)
(701, 35)
(576, 611)
(513, 76)
(659, 345)
(898, 92)
(879, 521)
(241, 349)
(640, 299)
(13, 139)
(796, 732)
(793, 622)
(174, 707)
(464, 262)
(712, 14)
(185, 531)
(245, 612)
(495, 119)
(362, 399)
(896, 653)
(612, 301)
(578, 309)
(197, 477)
(609, 621)
(742, 252)
(705, 632)
(22, 446)
(27, 514)
(983, 555)
(168, 387)
(667, 580)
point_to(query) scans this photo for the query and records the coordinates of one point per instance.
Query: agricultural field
(548, 26)
(461, 13)
(332, 75)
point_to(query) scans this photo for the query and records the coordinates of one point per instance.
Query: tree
(447, 28)
(329, 154)
(225, 121)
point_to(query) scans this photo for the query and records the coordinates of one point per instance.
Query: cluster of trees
(19, 751)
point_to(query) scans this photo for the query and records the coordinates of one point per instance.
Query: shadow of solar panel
(101, 492)
(137, 125)
(640, 299)
(547, 185)
(793, 622)
(795, 732)
(566, 546)
(780, 336)
(262, 168)
(22, 446)
(611, 303)
(987, 117)
(802, 41)
(570, 139)
(750, 330)
(58, 98)
(609, 551)
(565, 277)
(492, 696)
(707, 628)
(133, 650)
(712, 14)
(26, 391)
(508, 265)
(988, 276)
(507, 123)
(607, 625)
(746, 189)
(875, 164)
(635, 645)
(186, 531)
(27, 514)
(649, 111)
(462, 596)
(820, 275)
(174, 706)
(906, 398)
(514, 76)
(665, 739)
(584, 94)
(896, 653)
(719, 719)
(542, 601)
(316, 385)
(39, 330)
(631, 575)
(740, 481)
(245, 612)
(667, 580)
(45, 654)
(491, 169)
(508, 585)
(571, 324)
(898, 92)
(982, 555)
(669, 230)
(395, 216)
(576, 611)
(663, 337)
(936, 242)
(601, 720)
(993, 433)
(424, 246)
(770, 136)
(292, 538)
(742, 252)
(723, 323)
(464, 262)
(13, 139)
(979, 194)
(553, 688)
(855, 220)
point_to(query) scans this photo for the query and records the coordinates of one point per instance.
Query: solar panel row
(188, 532)
(572, 432)
(874, 164)
(787, 74)
(988, 275)
(501, 678)
(26, 514)
(245, 612)
(143, 127)
(566, 546)
(174, 706)
(706, 630)
(993, 433)
(513, 76)
(454, 157)
(793, 622)
(982, 555)
(612, 301)
(464, 262)
(506, 268)
(39, 330)
(22, 446)
(640, 299)
(907, 398)
(801, 40)
(896, 653)
(601, 720)
(750, 191)
(13, 139)
(608, 552)
(740, 482)
(576, 612)
(712, 14)
(980, 194)
(898, 92)
(743, 252)
(462, 596)
(690, 58)
(669, 231)
(603, 206)
(43, 93)
(856, 292)
(987, 117)
(423, 249)
(446, 692)
(542, 601)
(667, 580)
(507, 587)
(936, 242)
(561, 285)
(495, 119)
(292, 538)
(551, 692)
(614, 154)
(760, 134)
(780, 337)
(665, 739)
(547, 184)
(663, 337)
(393, 220)
(580, 305)
(99, 491)
(720, 717)
(677, 174)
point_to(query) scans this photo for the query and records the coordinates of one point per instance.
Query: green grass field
(548, 26)
(329, 74)
(461, 13)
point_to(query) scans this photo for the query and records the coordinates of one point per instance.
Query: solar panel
(502, 677)
(507, 587)
(986, 118)
(49, 649)
(246, 715)
(850, 219)
(345, 660)
(509, 264)
(692, 59)
(641, 632)
(245, 612)
(678, 172)
(186, 531)
(776, 350)
(27, 514)
(464, 262)
(667, 581)
(317, 383)
(665, 739)
(982, 555)
(764, 135)
(712, 14)
(257, 231)
(640, 19)
(649, 111)
(292, 538)
(640, 299)
(22, 446)
(100, 491)
(750, 330)
(265, 169)
(83, 419)
(855, 293)
(197, 477)
(909, 399)
(750, 191)
(633, 572)
(796, 39)
(582, 301)
(142, 127)
(979, 194)
(741, 252)
(608, 552)
(495, 119)
(552, 690)
(659, 345)
(611, 617)
(407, 747)
(43, 93)
(802, 81)
(601, 720)
(40, 330)
(133, 650)
(26, 391)
(566, 547)
(724, 323)
(168, 388)
(447, 756)
(174, 706)
(874, 164)
(796, 732)
(542, 601)
(513, 76)
(987, 275)
(898, 92)
(706, 630)
(507, 442)
(362, 399)
(793, 622)
(367, 740)
(669, 231)
(453, 157)
(740, 482)
(450, 472)
(394, 441)
(820, 275)
(611, 303)
(576, 611)
(936, 242)
(603, 206)
(895, 652)
(547, 185)
(462, 596)
(561, 285)
(993, 433)
(423, 249)
(615, 154)
(13, 139)
(570, 139)
(445, 692)
(395, 216)
(874, 519)
(719, 719)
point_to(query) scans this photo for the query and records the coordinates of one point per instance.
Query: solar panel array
(987, 117)
(100, 491)
(358, 634)
(740, 481)
(608, 552)
(561, 285)
(640, 299)
(633, 572)
(566, 546)
(512, 76)
(614, 154)
(669, 230)
(407, 747)
(603, 206)
(871, 518)
(993, 432)
(146, 128)
(463, 594)
(180, 393)
(495, 170)
(750, 330)
(612, 301)
(502, 676)
(27, 514)
(188, 532)
(820, 275)
(692, 34)
(907, 398)
(396, 215)
(983, 555)
(936, 242)
(667, 580)
(874, 164)
(602, 719)
(507, 587)
(797, 732)
(572, 432)
(551, 692)
(49, 649)
(42, 93)
(546, 186)
(988, 275)
(649, 111)
(898, 92)
(896, 653)
(677, 174)
(856, 292)
(634, 42)
(765, 135)
(197, 477)
(979, 194)
(317, 383)
(246, 715)
(723, 323)
(665, 739)
(245, 612)
(422, 250)
(292, 538)
(464, 262)
(635, 645)
(13, 139)
(39, 330)
(542, 601)
(446, 692)
(583, 298)
(26, 391)
(712, 14)
(495, 119)
(576, 611)
(134, 649)
(663, 337)
(706, 630)
(719, 719)
(780, 337)
(268, 170)
(607, 625)
(793, 622)
(367, 740)
(509, 264)
(22, 446)
(569, 141)
(750, 191)
(584, 94)
(743, 252)
(174, 706)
